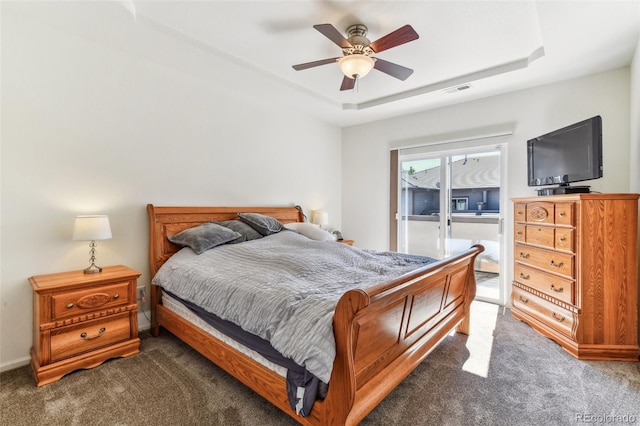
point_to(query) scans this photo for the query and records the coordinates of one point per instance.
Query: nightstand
(347, 242)
(81, 320)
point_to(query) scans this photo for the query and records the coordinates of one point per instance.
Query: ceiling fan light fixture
(356, 65)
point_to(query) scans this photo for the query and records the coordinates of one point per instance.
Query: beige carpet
(505, 374)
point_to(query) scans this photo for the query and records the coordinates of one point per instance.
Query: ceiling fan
(357, 50)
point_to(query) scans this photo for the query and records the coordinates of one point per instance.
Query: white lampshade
(320, 218)
(92, 228)
(356, 65)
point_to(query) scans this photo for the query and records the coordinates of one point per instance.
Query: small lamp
(92, 228)
(320, 218)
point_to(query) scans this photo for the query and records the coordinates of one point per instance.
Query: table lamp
(92, 228)
(320, 218)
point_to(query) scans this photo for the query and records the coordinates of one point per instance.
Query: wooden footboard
(382, 333)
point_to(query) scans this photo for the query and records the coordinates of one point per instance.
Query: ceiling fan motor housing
(358, 40)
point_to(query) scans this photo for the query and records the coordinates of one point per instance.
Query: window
(460, 203)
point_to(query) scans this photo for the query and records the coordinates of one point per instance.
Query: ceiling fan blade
(348, 83)
(330, 32)
(394, 70)
(400, 36)
(304, 66)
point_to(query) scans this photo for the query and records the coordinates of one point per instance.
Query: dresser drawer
(564, 239)
(552, 261)
(520, 233)
(75, 339)
(553, 285)
(546, 236)
(520, 212)
(540, 235)
(542, 212)
(552, 315)
(72, 303)
(564, 214)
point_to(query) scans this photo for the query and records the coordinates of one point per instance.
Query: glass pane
(475, 215)
(445, 210)
(420, 208)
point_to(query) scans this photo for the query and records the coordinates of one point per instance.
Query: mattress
(178, 308)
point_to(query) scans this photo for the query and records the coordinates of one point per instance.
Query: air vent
(456, 89)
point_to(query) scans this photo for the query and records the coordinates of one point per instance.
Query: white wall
(90, 129)
(531, 112)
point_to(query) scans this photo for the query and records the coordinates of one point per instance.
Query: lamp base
(93, 269)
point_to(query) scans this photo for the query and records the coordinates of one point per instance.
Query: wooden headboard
(166, 221)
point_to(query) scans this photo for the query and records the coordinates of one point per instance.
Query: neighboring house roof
(472, 172)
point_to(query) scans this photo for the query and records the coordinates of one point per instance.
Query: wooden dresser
(81, 320)
(576, 272)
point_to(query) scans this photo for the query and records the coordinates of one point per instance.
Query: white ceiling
(494, 46)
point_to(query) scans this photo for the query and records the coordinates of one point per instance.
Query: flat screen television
(564, 156)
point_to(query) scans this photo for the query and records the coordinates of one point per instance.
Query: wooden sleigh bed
(381, 333)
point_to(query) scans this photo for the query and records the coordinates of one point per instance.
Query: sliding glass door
(450, 201)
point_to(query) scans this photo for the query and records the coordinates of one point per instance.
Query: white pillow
(310, 231)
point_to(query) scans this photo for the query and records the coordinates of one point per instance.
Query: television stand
(564, 190)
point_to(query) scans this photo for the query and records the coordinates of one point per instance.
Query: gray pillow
(204, 237)
(265, 225)
(247, 232)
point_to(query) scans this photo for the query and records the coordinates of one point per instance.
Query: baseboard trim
(15, 363)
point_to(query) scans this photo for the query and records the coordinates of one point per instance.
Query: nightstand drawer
(75, 339)
(69, 304)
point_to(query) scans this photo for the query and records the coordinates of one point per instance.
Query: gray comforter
(283, 288)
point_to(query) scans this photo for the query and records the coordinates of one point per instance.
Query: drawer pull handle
(70, 305)
(524, 277)
(557, 290)
(557, 317)
(519, 232)
(524, 255)
(562, 239)
(85, 336)
(523, 300)
(561, 214)
(556, 265)
(116, 296)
